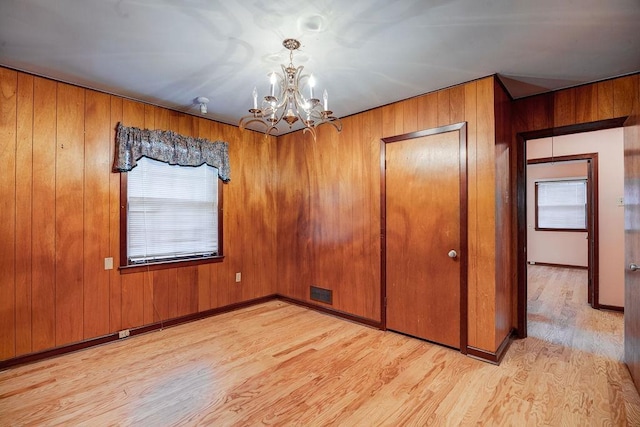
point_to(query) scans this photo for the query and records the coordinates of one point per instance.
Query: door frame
(461, 127)
(593, 256)
(521, 202)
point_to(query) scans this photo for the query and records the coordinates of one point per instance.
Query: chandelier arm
(333, 121)
(244, 122)
(336, 123)
(272, 128)
(311, 130)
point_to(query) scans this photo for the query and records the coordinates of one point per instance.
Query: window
(171, 214)
(561, 205)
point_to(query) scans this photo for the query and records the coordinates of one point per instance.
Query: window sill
(162, 265)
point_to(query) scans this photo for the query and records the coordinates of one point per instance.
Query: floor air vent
(322, 295)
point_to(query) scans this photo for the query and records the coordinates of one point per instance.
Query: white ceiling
(366, 53)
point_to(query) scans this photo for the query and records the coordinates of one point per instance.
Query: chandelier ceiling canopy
(287, 102)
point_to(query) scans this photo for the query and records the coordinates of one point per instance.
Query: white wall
(609, 146)
(554, 247)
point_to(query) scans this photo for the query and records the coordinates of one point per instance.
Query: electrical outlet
(108, 263)
(620, 201)
(238, 277)
(123, 334)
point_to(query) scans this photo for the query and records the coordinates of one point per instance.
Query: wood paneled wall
(505, 271)
(313, 219)
(583, 104)
(328, 199)
(60, 218)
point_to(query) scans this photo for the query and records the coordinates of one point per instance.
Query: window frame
(586, 210)
(125, 267)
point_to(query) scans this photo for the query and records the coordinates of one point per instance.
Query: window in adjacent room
(172, 214)
(561, 205)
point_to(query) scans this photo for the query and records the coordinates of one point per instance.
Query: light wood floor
(279, 364)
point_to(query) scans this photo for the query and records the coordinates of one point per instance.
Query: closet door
(424, 182)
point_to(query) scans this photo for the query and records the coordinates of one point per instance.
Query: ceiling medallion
(287, 102)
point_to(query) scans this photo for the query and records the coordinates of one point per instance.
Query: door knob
(452, 254)
(634, 267)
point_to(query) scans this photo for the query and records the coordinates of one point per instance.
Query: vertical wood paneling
(8, 114)
(316, 201)
(268, 266)
(161, 118)
(519, 119)
(564, 107)
(58, 152)
(96, 213)
(392, 120)
(373, 132)
(361, 206)
(260, 227)
(470, 108)
(225, 294)
(485, 211)
(624, 89)
(502, 108)
(315, 195)
(586, 104)
(605, 99)
(24, 188)
(324, 214)
(43, 303)
(541, 112)
(69, 214)
(132, 299)
(187, 286)
(161, 301)
(294, 193)
(343, 255)
(248, 244)
(456, 104)
(115, 283)
(410, 115)
(428, 111)
(204, 287)
(444, 107)
(231, 291)
(150, 117)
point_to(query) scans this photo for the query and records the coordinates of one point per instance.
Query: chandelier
(288, 102)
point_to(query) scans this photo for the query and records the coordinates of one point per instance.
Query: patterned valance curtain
(166, 146)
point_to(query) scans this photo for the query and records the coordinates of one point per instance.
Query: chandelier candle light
(291, 105)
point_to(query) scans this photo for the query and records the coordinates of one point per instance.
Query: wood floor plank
(282, 364)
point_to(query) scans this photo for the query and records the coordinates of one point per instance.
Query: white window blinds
(172, 211)
(562, 204)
